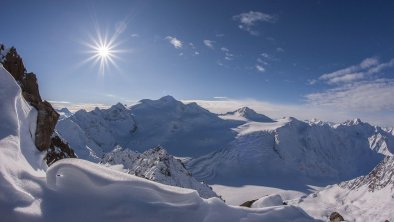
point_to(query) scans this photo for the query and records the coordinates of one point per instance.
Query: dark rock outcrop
(336, 217)
(47, 117)
(58, 150)
(248, 203)
(30, 89)
(46, 122)
(13, 64)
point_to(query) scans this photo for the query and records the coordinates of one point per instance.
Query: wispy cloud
(209, 43)
(135, 35)
(248, 20)
(224, 49)
(227, 54)
(358, 89)
(262, 62)
(303, 111)
(59, 102)
(260, 68)
(194, 49)
(73, 107)
(175, 42)
(354, 72)
(365, 96)
(220, 97)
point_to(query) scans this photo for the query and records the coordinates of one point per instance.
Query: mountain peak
(249, 114)
(118, 106)
(167, 98)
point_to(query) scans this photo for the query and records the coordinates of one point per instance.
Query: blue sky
(326, 59)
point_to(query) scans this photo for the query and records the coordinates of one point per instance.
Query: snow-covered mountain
(183, 129)
(296, 149)
(246, 114)
(78, 190)
(156, 165)
(64, 113)
(91, 134)
(316, 150)
(366, 198)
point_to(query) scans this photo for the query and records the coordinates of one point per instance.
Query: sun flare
(103, 52)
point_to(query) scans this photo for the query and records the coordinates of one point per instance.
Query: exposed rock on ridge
(47, 117)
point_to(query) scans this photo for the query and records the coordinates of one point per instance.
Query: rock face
(380, 177)
(13, 64)
(248, 203)
(58, 150)
(47, 116)
(46, 122)
(336, 217)
(157, 165)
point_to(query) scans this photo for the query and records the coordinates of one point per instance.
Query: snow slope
(78, 190)
(291, 155)
(91, 134)
(366, 198)
(64, 113)
(185, 130)
(245, 114)
(156, 165)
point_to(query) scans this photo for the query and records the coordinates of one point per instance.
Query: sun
(104, 51)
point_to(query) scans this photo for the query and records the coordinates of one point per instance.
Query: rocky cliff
(46, 139)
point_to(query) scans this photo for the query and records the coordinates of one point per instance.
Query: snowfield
(366, 198)
(78, 190)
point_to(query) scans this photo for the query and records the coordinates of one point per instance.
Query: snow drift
(366, 198)
(78, 190)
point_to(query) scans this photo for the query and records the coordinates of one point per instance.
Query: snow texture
(156, 165)
(268, 201)
(184, 130)
(366, 198)
(78, 190)
(308, 153)
(246, 114)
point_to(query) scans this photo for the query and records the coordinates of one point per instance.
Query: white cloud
(265, 55)
(355, 72)
(368, 62)
(358, 91)
(304, 111)
(175, 42)
(224, 49)
(279, 49)
(364, 96)
(209, 43)
(73, 107)
(248, 20)
(346, 78)
(134, 35)
(220, 97)
(260, 68)
(59, 102)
